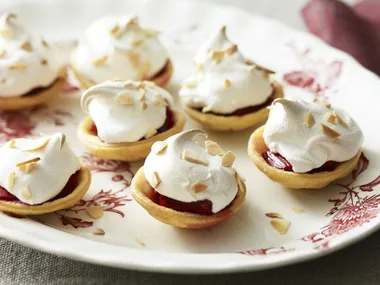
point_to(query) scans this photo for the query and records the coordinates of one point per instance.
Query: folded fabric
(355, 30)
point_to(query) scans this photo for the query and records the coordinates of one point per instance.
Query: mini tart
(161, 79)
(234, 123)
(142, 192)
(257, 146)
(83, 183)
(36, 97)
(133, 151)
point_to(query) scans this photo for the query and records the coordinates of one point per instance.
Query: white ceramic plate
(334, 217)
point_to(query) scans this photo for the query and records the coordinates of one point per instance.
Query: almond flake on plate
(228, 159)
(280, 225)
(298, 210)
(213, 148)
(95, 212)
(273, 215)
(139, 241)
(193, 157)
(99, 232)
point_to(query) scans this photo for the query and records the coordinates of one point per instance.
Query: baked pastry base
(161, 79)
(125, 151)
(69, 201)
(233, 123)
(257, 146)
(142, 192)
(17, 103)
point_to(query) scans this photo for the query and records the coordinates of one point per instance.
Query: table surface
(358, 264)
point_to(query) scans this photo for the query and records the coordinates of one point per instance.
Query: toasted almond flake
(128, 83)
(6, 33)
(100, 60)
(340, 120)
(3, 81)
(227, 83)
(280, 225)
(143, 105)
(95, 212)
(159, 100)
(330, 133)
(17, 66)
(26, 46)
(217, 55)
(193, 157)
(159, 147)
(213, 148)
(156, 180)
(44, 61)
(35, 159)
(99, 232)
(134, 59)
(140, 85)
(150, 133)
(198, 187)
(124, 98)
(190, 85)
(273, 215)
(199, 66)
(28, 167)
(37, 144)
(249, 62)
(232, 49)
(264, 69)
(142, 94)
(114, 29)
(3, 53)
(331, 118)
(139, 241)
(150, 33)
(327, 104)
(131, 22)
(26, 194)
(44, 43)
(11, 180)
(228, 159)
(63, 140)
(309, 119)
(315, 99)
(136, 42)
(297, 210)
(11, 143)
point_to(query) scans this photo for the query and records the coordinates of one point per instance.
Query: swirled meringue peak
(114, 47)
(27, 61)
(308, 134)
(36, 170)
(192, 172)
(126, 111)
(225, 81)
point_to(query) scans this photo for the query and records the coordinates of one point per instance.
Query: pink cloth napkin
(355, 30)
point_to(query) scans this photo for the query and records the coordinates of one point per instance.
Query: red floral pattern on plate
(315, 76)
(267, 251)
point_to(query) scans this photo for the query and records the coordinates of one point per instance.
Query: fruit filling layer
(276, 160)
(69, 188)
(169, 123)
(203, 207)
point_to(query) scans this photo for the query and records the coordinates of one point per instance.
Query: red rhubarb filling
(168, 124)
(276, 160)
(69, 188)
(246, 110)
(203, 207)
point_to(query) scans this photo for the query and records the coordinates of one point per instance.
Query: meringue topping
(121, 113)
(37, 174)
(25, 62)
(225, 81)
(114, 47)
(190, 174)
(305, 134)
